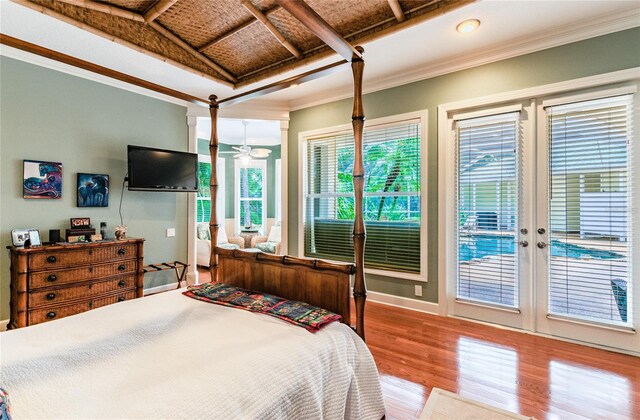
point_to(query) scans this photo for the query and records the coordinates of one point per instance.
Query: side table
(247, 234)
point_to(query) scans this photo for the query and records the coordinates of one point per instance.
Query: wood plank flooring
(527, 374)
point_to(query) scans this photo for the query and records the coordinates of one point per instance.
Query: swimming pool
(483, 245)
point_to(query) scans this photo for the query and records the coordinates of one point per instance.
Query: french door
(542, 233)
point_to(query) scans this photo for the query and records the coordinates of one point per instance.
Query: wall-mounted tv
(162, 170)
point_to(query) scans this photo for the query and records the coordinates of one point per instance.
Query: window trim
(254, 163)
(221, 188)
(422, 116)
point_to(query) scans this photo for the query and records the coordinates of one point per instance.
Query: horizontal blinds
(589, 271)
(487, 185)
(391, 204)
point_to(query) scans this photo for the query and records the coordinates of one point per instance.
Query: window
(251, 188)
(203, 196)
(392, 196)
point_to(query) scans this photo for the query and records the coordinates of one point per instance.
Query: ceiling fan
(245, 152)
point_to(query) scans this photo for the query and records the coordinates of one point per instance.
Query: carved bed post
(359, 233)
(213, 186)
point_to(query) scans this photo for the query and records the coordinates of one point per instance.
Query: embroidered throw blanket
(302, 314)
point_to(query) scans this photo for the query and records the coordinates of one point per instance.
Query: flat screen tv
(162, 170)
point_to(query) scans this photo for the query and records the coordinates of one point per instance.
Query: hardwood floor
(527, 374)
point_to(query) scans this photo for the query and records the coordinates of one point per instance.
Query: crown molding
(602, 25)
(40, 61)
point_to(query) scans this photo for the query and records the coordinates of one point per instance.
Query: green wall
(594, 56)
(52, 116)
(229, 173)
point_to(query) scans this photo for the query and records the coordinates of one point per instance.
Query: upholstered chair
(271, 243)
(204, 243)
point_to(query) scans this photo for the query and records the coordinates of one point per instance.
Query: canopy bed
(169, 356)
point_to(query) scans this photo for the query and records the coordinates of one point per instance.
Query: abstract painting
(42, 179)
(93, 190)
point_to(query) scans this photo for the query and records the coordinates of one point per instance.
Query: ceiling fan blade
(239, 155)
(258, 155)
(239, 149)
(265, 152)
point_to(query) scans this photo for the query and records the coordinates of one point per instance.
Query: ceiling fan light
(468, 25)
(245, 159)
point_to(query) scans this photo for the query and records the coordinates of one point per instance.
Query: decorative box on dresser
(54, 281)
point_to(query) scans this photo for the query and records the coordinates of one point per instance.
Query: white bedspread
(169, 356)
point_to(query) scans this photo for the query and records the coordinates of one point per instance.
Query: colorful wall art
(42, 179)
(93, 190)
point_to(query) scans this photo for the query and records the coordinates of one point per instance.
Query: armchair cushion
(269, 247)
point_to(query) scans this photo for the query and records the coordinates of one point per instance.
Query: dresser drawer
(56, 295)
(42, 315)
(86, 255)
(71, 275)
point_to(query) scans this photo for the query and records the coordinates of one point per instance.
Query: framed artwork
(42, 180)
(93, 190)
(80, 222)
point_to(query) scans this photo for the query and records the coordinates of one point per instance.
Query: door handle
(524, 244)
(542, 245)
(542, 231)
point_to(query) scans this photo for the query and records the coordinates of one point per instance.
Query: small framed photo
(80, 222)
(19, 236)
(92, 190)
(34, 238)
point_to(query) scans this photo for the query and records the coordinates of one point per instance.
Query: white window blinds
(589, 210)
(487, 186)
(391, 197)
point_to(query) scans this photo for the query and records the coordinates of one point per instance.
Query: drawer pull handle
(122, 283)
(51, 259)
(122, 267)
(51, 315)
(121, 298)
(51, 296)
(121, 251)
(52, 277)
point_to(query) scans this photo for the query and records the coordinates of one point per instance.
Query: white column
(192, 273)
(284, 192)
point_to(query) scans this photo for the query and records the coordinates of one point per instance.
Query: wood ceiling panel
(198, 22)
(295, 31)
(139, 6)
(347, 17)
(131, 31)
(242, 53)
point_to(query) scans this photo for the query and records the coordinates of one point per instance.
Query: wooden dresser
(54, 281)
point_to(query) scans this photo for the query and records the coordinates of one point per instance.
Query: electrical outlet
(418, 290)
(171, 232)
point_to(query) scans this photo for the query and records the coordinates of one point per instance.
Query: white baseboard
(163, 288)
(402, 302)
(3, 324)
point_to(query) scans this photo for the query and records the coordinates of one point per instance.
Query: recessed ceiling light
(468, 25)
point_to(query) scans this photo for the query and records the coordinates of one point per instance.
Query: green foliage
(390, 166)
(204, 177)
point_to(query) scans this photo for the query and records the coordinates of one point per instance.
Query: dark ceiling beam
(100, 7)
(397, 10)
(271, 28)
(236, 29)
(157, 9)
(95, 68)
(320, 28)
(286, 83)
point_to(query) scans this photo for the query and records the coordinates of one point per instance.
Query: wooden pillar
(359, 233)
(213, 186)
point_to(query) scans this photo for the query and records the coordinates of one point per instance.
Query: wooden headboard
(317, 282)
